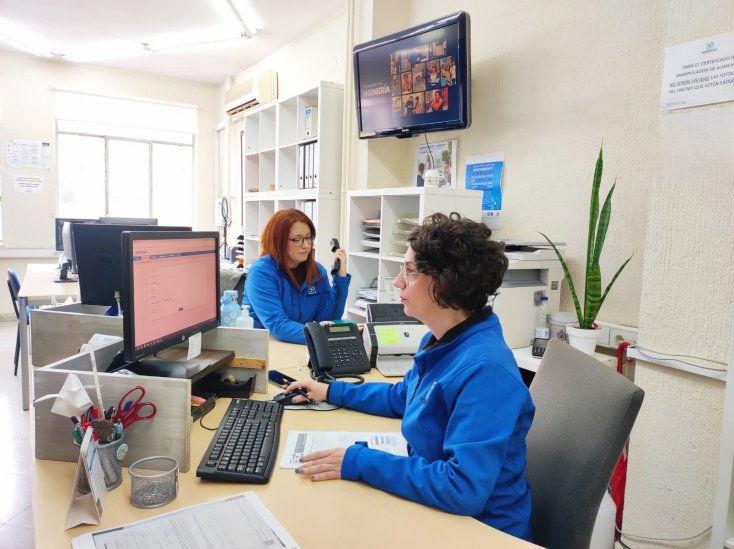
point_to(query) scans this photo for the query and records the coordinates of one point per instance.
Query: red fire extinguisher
(619, 476)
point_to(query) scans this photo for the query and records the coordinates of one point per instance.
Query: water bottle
(542, 332)
(230, 308)
(541, 318)
(245, 320)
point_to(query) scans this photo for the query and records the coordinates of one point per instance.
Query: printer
(390, 346)
(533, 271)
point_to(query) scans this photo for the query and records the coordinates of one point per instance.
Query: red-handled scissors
(129, 408)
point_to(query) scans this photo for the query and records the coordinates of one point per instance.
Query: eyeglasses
(299, 240)
(408, 275)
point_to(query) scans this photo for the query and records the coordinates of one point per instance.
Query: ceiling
(201, 40)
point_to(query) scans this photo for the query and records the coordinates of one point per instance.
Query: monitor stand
(173, 363)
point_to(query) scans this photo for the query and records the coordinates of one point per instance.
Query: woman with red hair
(286, 287)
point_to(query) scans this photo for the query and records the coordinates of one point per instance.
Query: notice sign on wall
(27, 184)
(699, 73)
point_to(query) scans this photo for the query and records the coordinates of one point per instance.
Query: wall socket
(611, 335)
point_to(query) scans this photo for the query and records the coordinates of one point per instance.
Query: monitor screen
(128, 220)
(415, 81)
(60, 230)
(98, 257)
(171, 289)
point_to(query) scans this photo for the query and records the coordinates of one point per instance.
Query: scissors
(129, 408)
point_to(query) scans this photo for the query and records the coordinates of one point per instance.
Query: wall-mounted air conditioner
(252, 92)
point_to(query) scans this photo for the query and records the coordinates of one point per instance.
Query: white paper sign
(27, 154)
(27, 184)
(698, 73)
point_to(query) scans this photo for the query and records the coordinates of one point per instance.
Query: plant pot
(582, 339)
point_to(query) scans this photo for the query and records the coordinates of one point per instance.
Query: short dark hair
(467, 267)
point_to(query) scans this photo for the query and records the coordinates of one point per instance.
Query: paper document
(300, 443)
(222, 523)
(394, 365)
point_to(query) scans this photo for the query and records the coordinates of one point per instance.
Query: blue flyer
(484, 173)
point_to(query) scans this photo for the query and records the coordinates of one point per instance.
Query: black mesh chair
(14, 287)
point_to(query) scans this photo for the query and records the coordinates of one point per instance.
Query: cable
(202, 416)
(326, 377)
(430, 152)
(670, 357)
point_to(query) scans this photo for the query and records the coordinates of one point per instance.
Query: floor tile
(14, 537)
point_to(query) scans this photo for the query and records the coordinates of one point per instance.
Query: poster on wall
(439, 156)
(484, 173)
(698, 73)
(27, 154)
(27, 184)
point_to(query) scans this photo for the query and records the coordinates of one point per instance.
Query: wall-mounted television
(415, 81)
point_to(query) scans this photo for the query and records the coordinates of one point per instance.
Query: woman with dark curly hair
(464, 407)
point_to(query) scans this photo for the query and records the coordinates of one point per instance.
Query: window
(125, 158)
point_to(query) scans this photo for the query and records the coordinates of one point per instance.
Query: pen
(304, 394)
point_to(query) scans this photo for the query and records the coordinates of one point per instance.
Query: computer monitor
(59, 222)
(170, 286)
(128, 220)
(98, 257)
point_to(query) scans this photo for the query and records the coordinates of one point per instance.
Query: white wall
(27, 112)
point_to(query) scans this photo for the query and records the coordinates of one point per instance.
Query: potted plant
(593, 296)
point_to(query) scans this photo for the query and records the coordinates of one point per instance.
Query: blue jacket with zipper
(276, 304)
(466, 412)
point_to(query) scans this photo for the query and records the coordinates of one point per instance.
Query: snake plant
(598, 224)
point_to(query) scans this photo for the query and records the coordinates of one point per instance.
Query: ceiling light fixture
(247, 30)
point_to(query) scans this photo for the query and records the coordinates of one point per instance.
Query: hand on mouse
(313, 389)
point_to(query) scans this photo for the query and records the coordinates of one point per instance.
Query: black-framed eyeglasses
(299, 240)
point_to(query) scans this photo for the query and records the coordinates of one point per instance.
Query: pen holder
(110, 456)
(153, 481)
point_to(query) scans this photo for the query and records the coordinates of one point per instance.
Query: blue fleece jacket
(276, 304)
(466, 412)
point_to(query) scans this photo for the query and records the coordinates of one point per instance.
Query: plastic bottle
(541, 318)
(542, 332)
(245, 320)
(230, 308)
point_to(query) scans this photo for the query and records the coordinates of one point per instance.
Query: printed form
(300, 443)
(223, 524)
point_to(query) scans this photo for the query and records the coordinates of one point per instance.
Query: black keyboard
(246, 443)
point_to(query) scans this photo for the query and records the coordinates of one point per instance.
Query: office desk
(323, 514)
(38, 288)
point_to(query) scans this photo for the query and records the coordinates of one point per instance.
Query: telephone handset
(337, 263)
(335, 349)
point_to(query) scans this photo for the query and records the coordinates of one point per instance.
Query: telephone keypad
(345, 351)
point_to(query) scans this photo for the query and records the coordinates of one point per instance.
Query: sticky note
(387, 336)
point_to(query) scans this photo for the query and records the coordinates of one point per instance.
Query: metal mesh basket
(110, 456)
(153, 481)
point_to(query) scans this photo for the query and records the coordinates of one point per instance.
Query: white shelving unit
(381, 262)
(276, 140)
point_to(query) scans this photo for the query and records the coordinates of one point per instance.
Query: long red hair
(274, 242)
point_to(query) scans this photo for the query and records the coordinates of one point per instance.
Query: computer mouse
(286, 399)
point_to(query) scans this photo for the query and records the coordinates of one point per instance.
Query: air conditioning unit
(252, 92)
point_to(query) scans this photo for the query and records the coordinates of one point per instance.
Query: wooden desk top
(323, 514)
(38, 283)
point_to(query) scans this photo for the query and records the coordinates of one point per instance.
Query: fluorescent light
(30, 41)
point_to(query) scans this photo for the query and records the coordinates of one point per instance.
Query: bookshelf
(291, 158)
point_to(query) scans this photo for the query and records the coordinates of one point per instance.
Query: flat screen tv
(98, 250)
(170, 285)
(415, 81)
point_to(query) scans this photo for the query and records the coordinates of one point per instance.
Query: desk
(322, 514)
(38, 287)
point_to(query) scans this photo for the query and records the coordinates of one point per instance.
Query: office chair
(14, 287)
(584, 414)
